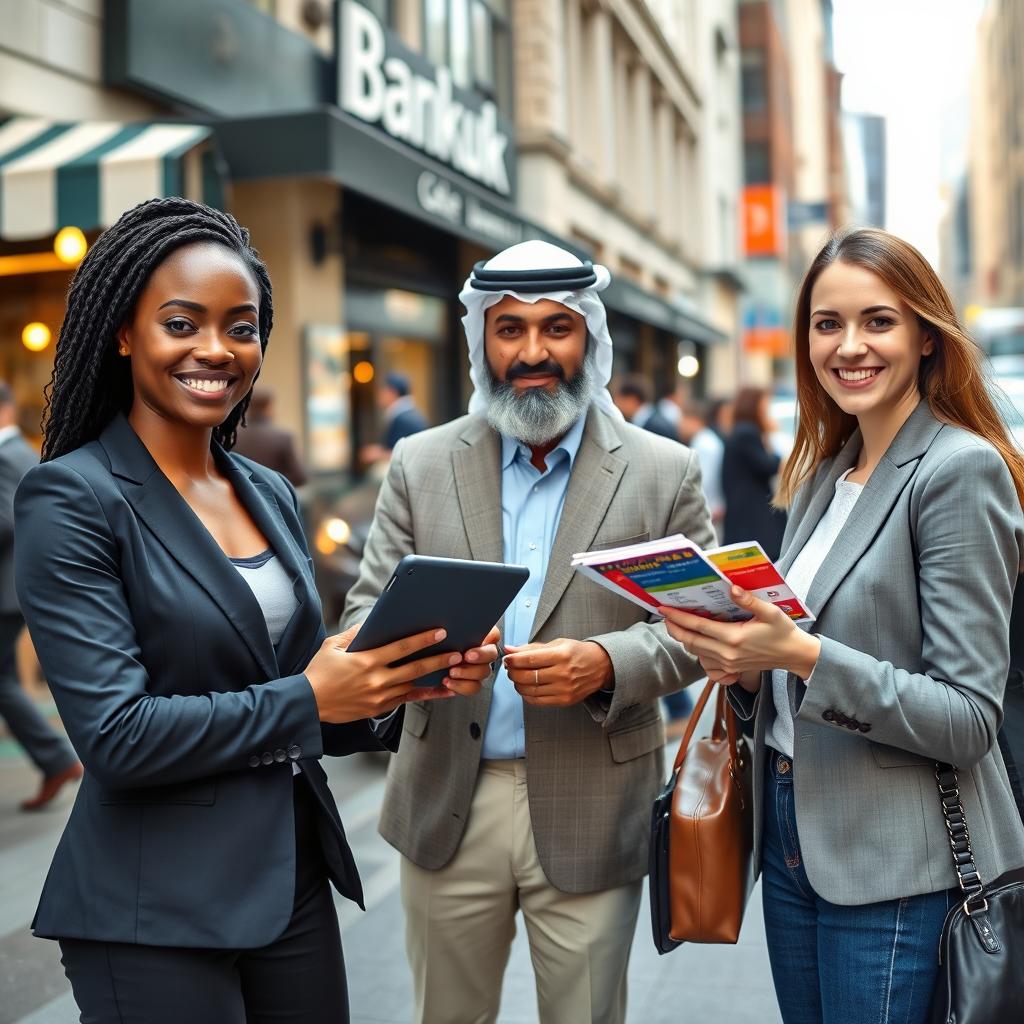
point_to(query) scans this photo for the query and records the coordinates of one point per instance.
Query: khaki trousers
(460, 921)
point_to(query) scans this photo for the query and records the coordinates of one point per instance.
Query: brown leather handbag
(701, 857)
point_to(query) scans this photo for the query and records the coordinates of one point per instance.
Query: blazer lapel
(260, 501)
(477, 468)
(186, 540)
(818, 500)
(595, 478)
(873, 506)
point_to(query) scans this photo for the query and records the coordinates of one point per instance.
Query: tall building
(793, 165)
(864, 143)
(996, 161)
(621, 110)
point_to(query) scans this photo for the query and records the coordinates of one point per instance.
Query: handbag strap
(948, 778)
(724, 727)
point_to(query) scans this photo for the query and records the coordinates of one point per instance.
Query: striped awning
(87, 174)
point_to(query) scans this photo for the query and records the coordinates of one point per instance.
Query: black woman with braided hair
(168, 589)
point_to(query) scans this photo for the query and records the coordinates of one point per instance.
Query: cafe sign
(383, 83)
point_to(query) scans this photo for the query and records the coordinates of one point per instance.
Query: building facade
(376, 149)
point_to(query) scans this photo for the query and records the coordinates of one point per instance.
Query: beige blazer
(913, 608)
(592, 769)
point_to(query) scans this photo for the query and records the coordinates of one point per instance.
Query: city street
(726, 984)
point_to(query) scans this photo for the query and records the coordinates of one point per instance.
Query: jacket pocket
(202, 793)
(416, 718)
(601, 544)
(636, 739)
(892, 757)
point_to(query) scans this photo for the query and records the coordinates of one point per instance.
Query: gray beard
(536, 416)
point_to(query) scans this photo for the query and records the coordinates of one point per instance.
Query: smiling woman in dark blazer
(169, 592)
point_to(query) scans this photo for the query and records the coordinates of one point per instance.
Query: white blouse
(800, 576)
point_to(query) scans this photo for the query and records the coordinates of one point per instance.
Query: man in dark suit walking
(401, 417)
(50, 751)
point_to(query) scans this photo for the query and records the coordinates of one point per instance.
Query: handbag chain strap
(948, 778)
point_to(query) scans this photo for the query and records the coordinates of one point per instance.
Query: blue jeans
(832, 964)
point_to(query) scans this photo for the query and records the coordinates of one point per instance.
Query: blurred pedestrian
(534, 795)
(632, 394)
(401, 417)
(696, 434)
(749, 469)
(720, 416)
(670, 405)
(264, 442)
(49, 751)
(167, 586)
(906, 538)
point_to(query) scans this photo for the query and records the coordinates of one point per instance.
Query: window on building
(757, 163)
(471, 38)
(753, 81)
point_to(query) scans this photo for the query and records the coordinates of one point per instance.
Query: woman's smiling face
(866, 343)
(194, 337)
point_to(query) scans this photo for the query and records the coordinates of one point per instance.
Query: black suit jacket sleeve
(350, 737)
(68, 575)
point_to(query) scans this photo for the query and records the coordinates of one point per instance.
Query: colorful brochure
(675, 572)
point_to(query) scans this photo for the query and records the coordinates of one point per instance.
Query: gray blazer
(913, 606)
(592, 769)
(17, 457)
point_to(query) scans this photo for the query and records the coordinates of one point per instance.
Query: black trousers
(298, 979)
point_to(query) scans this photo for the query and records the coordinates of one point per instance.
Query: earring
(122, 351)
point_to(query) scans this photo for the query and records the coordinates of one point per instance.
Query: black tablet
(463, 597)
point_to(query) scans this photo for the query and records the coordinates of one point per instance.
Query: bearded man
(534, 793)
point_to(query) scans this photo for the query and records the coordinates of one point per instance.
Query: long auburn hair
(950, 380)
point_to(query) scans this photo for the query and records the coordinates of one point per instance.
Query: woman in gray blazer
(905, 537)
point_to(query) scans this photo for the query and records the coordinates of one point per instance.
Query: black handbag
(981, 952)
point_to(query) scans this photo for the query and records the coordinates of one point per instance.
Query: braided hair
(91, 383)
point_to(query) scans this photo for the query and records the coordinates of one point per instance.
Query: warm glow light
(324, 544)
(70, 245)
(35, 337)
(363, 372)
(338, 530)
(689, 366)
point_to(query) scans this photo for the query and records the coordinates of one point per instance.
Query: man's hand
(560, 673)
(467, 678)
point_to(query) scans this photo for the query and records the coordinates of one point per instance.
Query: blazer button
(254, 761)
(279, 756)
(474, 730)
(267, 758)
(294, 752)
(864, 727)
(829, 715)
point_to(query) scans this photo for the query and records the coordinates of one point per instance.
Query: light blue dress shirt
(531, 507)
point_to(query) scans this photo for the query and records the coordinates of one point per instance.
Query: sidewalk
(698, 984)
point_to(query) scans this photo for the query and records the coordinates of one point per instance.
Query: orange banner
(763, 224)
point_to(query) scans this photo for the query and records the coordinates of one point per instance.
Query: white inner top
(800, 576)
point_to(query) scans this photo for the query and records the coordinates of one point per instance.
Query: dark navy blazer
(185, 716)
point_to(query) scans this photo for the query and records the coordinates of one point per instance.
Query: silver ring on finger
(536, 677)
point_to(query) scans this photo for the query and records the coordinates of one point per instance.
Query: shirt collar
(570, 444)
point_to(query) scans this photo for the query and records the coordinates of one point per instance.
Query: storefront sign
(380, 84)
(440, 198)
